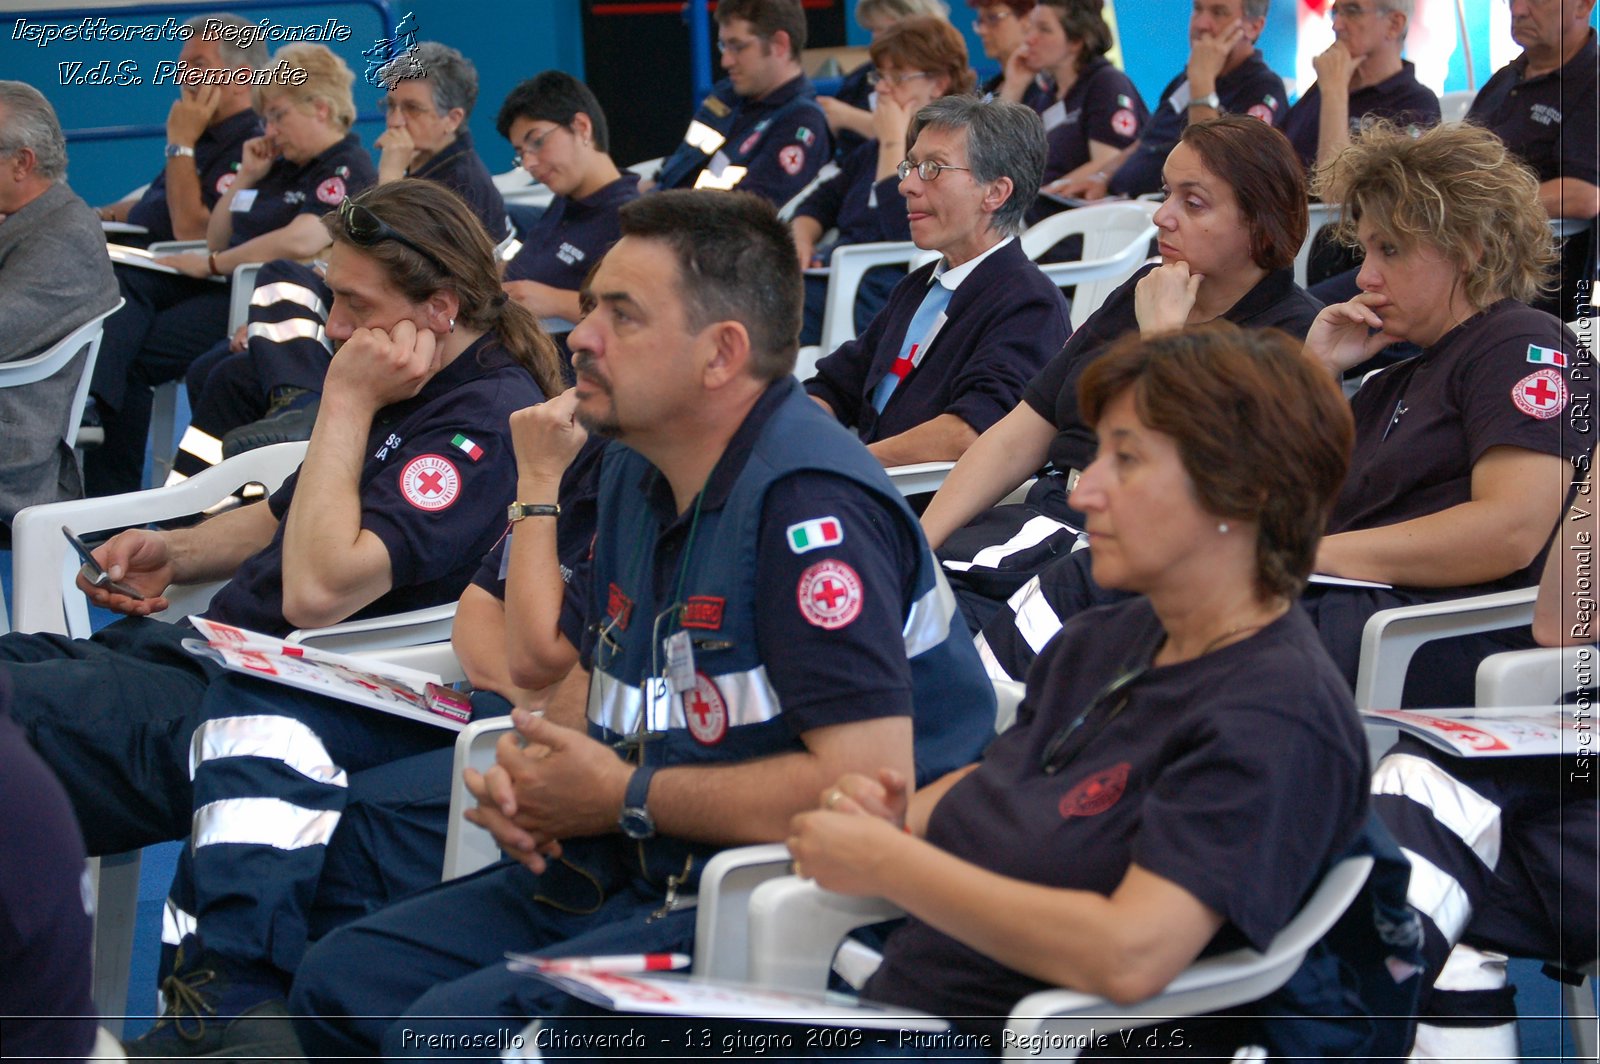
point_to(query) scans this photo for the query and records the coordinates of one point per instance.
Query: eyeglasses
(1350, 12)
(366, 229)
(532, 145)
(734, 45)
(927, 169)
(877, 77)
(991, 19)
(1056, 756)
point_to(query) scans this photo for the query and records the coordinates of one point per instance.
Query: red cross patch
(1124, 123)
(430, 482)
(1261, 111)
(331, 191)
(225, 182)
(792, 158)
(1541, 394)
(705, 711)
(830, 594)
(1096, 793)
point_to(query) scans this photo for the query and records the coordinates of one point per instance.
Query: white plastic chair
(848, 265)
(85, 339)
(1392, 637)
(1116, 239)
(1321, 216)
(1453, 106)
(795, 928)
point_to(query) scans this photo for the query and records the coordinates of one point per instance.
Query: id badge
(243, 201)
(679, 651)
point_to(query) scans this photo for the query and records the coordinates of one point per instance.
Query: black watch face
(636, 824)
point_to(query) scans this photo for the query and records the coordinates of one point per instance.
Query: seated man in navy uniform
(749, 539)
(1225, 75)
(262, 387)
(761, 129)
(1543, 105)
(401, 491)
(206, 130)
(959, 340)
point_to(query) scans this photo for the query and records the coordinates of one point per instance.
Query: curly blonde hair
(1454, 187)
(327, 79)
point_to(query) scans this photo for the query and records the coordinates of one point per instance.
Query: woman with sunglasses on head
(559, 132)
(1144, 809)
(305, 163)
(1095, 111)
(914, 63)
(1234, 218)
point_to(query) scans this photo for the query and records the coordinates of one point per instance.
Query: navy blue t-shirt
(855, 202)
(821, 676)
(571, 235)
(1400, 98)
(1103, 106)
(1196, 772)
(458, 168)
(439, 475)
(45, 927)
(216, 160)
(315, 186)
(1548, 121)
(1250, 88)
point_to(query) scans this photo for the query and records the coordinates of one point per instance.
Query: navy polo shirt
(458, 168)
(1004, 321)
(216, 160)
(45, 927)
(315, 186)
(436, 505)
(1196, 772)
(1421, 425)
(821, 676)
(1250, 88)
(853, 201)
(1400, 98)
(1275, 302)
(571, 235)
(1549, 121)
(788, 154)
(1103, 106)
(857, 91)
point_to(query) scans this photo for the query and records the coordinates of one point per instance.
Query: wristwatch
(518, 510)
(175, 150)
(635, 820)
(1210, 99)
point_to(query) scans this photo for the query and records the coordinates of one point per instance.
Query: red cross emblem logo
(792, 158)
(1096, 794)
(225, 182)
(830, 594)
(430, 482)
(1124, 123)
(705, 711)
(331, 191)
(1541, 394)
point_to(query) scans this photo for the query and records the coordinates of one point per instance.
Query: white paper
(243, 200)
(1532, 731)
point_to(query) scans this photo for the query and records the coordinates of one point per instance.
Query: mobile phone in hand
(92, 570)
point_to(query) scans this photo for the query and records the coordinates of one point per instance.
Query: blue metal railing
(189, 7)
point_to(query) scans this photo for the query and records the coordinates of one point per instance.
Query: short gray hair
(451, 75)
(28, 121)
(1405, 7)
(1004, 139)
(252, 54)
(1254, 9)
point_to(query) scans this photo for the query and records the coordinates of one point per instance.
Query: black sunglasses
(366, 229)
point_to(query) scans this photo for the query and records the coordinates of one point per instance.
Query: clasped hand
(843, 845)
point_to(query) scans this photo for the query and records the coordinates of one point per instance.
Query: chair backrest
(1116, 237)
(1455, 105)
(45, 569)
(1321, 216)
(85, 339)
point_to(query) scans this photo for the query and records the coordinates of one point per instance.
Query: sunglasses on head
(366, 229)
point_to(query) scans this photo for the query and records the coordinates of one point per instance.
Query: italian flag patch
(472, 450)
(1545, 356)
(818, 532)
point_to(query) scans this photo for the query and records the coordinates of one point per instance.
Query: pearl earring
(1222, 527)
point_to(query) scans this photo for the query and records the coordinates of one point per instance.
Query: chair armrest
(1392, 637)
(175, 247)
(721, 930)
(468, 847)
(1531, 677)
(919, 478)
(44, 595)
(437, 658)
(411, 628)
(1120, 265)
(796, 928)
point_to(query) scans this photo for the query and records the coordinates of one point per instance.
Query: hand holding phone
(94, 573)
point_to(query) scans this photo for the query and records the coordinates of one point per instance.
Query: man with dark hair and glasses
(951, 352)
(403, 488)
(761, 129)
(759, 613)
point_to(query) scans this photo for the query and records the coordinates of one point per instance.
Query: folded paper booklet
(391, 688)
(596, 980)
(132, 256)
(1534, 731)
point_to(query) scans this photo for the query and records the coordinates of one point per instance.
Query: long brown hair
(436, 219)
